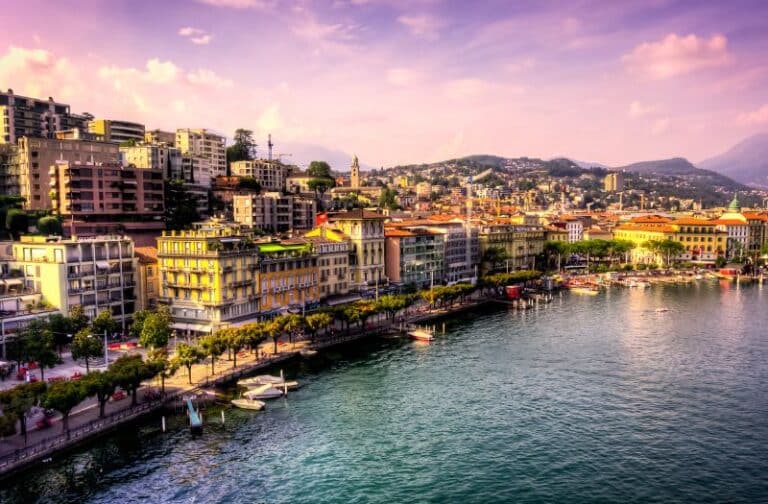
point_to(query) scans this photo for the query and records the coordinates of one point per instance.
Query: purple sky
(399, 81)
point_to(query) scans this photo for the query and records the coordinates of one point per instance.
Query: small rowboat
(249, 404)
(421, 335)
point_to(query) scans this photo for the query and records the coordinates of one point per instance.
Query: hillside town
(111, 216)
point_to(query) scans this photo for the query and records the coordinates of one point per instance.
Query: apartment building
(205, 144)
(9, 170)
(22, 116)
(209, 276)
(521, 243)
(274, 212)
(157, 136)
(332, 248)
(147, 278)
(97, 273)
(414, 255)
(109, 130)
(271, 175)
(35, 156)
(613, 182)
(365, 229)
(106, 197)
(288, 277)
(156, 156)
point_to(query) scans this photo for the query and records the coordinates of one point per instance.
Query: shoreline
(23, 459)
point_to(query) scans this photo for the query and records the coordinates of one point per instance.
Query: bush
(642, 267)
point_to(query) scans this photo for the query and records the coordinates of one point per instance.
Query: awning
(102, 264)
(183, 326)
(13, 281)
(342, 300)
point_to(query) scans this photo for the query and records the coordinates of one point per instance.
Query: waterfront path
(85, 423)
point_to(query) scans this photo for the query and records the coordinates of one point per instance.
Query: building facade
(274, 212)
(271, 175)
(332, 248)
(365, 229)
(414, 256)
(96, 273)
(154, 156)
(147, 278)
(116, 131)
(209, 276)
(203, 143)
(288, 277)
(520, 243)
(22, 116)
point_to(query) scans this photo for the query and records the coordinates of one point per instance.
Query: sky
(409, 81)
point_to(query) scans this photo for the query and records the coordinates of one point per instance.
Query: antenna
(270, 145)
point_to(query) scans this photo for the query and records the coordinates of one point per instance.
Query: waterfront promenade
(85, 423)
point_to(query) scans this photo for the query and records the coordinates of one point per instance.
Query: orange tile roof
(397, 233)
(730, 222)
(690, 221)
(763, 216)
(657, 228)
(146, 254)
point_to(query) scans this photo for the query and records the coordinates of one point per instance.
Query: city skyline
(406, 82)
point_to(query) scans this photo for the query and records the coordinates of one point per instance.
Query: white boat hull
(249, 404)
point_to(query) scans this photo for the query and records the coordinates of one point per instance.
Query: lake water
(587, 399)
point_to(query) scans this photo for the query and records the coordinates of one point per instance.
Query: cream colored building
(148, 278)
(332, 248)
(203, 143)
(271, 175)
(365, 229)
(109, 130)
(96, 273)
(154, 156)
(274, 212)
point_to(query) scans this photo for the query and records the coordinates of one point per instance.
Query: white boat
(255, 381)
(421, 334)
(263, 392)
(307, 352)
(250, 404)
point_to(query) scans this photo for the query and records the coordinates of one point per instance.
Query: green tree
(187, 356)
(49, 225)
(78, 319)
(102, 385)
(319, 169)
(495, 256)
(129, 371)
(16, 222)
(556, 248)
(391, 304)
(86, 345)
(318, 321)
(235, 339)
(212, 345)
(161, 365)
(294, 323)
(17, 401)
(274, 328)
(137, 323)
(62, 397)
(243, 148)
(388, 199)
(61, 328)
(40, 345)
(156, 330)
(249, 183)
(180, 206)
(103, 322)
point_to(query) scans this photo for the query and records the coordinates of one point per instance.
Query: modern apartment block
(613, 182)
(106, 197)
(96, 273)
(203, 143)
(520, 243)
(414, 256)
(32, 117)
(274, 212)
(157, 136)
(9, 170)
(271, 175)
(365, 230)
(209, 276)
(155, 156)
(35, 156)
(109, 130)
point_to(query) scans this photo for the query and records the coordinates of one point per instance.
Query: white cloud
(237, 4)
(157, 72)
(676, 55)
(270, 120)
(203, 77)
(195, 35)
(637, 110)
(759, 116)
(37, 72)
(660, 126)
(422, 25)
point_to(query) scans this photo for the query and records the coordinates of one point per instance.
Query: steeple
(354, 174)
(735, 206)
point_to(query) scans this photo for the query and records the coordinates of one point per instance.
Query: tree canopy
(319, 169)
(243, 147)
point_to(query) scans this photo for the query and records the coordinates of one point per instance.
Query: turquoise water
(588, 399)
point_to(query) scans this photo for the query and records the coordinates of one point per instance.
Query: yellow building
(287, 277)
(701, 239)
(332, 248)
(209, 276)
(639, 234)
(521, 243)
(116, 131)
(365, 229)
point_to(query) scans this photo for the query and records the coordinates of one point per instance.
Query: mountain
(583, 164)
(301, 154)
(674, 166)
(746, 162)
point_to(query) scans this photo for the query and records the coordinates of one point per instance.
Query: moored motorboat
(585, 289)
(249, 404)
(420, 334)
(256, 381)
(264, 392)
(307, 352)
